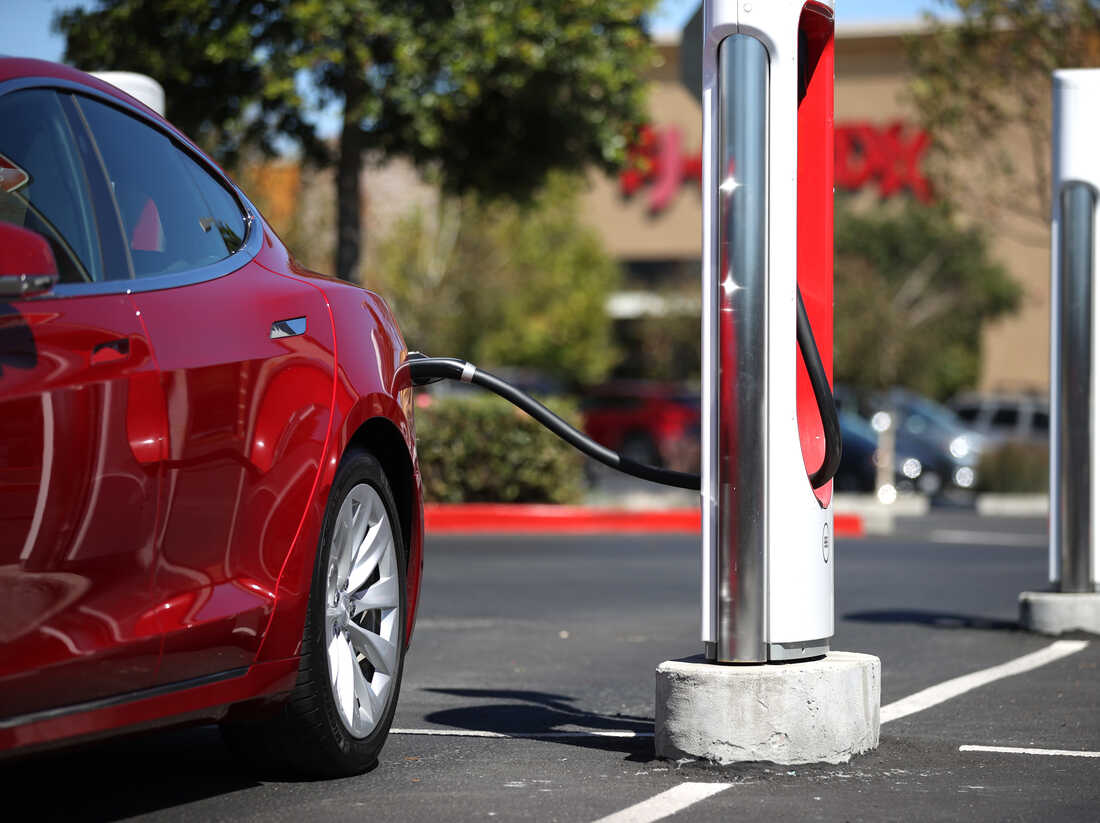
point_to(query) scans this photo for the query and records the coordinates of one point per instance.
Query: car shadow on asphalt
(937, 620)
(128, 776)
(531, 713)
(124, 777)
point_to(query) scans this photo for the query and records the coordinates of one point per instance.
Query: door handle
(291, 327)
(111, 351)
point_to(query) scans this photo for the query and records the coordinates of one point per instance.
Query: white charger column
(1074, 603)
(768, 557)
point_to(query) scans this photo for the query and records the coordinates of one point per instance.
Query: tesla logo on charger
(887, 157)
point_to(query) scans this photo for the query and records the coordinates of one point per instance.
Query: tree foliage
(205, 53)
(981, 87)
(913, 291)
(503, 284)
(488, 96)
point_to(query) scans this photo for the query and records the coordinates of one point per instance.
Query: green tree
(981, 86)
(487, 96)
(503, 284)
(913, 291)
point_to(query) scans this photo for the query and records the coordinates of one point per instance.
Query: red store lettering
(888, 157)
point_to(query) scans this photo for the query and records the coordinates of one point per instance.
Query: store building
(652, 220)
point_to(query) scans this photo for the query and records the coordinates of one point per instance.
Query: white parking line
(519, 735)
(666, 803)
(934, 695)
(1015, 750)
(986, 538)
(686, 794)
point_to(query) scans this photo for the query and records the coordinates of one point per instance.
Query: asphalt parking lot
(529, 696)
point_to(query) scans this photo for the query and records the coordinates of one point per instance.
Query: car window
(1041, 421)
(928, 419)
(854, 427)
(1005, 417)
(967, 413)
(175, 216)
(916, 424)
(221, 205)
(44, 186)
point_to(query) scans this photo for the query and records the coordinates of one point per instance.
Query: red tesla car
(210, 505)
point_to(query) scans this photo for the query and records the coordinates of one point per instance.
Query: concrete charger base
(818, 711)
(1060, 612)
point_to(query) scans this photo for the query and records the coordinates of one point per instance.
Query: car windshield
(924, 417)
(854, 426)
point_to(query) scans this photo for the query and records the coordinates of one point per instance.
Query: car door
(247, 365)
(81, 425)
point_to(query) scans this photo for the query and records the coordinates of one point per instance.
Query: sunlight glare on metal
(729, 185)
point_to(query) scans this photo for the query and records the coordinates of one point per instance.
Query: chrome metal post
(741, 200)
(1076, 253)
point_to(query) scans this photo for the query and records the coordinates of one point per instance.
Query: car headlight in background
(887, 494)
(964, 477)
(911, 468)
(960, 447)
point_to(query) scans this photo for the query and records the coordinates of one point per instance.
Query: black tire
(308, 736)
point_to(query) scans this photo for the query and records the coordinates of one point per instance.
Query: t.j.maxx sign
(885, 156)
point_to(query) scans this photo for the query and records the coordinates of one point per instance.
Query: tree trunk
(348, 226)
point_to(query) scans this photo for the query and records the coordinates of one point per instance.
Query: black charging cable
(424, 370)
(826, 403)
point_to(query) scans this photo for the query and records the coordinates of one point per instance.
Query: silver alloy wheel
(362, 610)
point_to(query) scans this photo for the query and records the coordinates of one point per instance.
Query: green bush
(480, 449)
(1015, 467)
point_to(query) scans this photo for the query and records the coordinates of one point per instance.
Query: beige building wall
(629, 229)
(871, 76)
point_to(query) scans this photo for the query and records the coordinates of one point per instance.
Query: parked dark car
(925, 431)
(859, 461)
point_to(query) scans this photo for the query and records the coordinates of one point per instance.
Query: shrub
(1015, 467)
(479, 448)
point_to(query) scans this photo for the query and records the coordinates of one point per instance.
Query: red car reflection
(210, 505)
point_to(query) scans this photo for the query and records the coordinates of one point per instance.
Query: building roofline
(667, 37)
(844, 31)
(896, 28)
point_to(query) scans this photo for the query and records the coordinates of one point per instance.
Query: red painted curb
(848, 525)
(524, 518)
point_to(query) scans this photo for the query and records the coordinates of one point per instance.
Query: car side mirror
(27, 265)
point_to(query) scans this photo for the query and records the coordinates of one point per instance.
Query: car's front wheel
(353, 647)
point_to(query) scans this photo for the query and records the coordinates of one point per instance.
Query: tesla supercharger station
(768, 554)
(768, 232)
(1075, 354)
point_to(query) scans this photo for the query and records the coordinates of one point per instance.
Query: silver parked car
(1021, 417)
